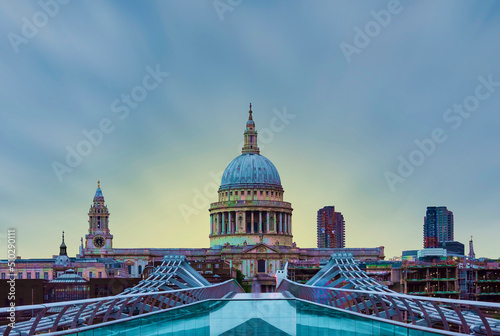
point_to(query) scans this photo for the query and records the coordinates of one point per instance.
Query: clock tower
(99, 240)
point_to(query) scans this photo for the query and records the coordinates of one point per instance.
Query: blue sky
(350, 119)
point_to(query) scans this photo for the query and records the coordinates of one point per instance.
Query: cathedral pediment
(261, 248)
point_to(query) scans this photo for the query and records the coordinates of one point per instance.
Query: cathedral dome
(250, 170)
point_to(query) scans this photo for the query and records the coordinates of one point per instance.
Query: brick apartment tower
(331, 228)
(438, 226)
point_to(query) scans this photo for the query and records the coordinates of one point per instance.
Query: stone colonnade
(250, 221)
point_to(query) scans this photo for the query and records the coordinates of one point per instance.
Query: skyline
(168, 86)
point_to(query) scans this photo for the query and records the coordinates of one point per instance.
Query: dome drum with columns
(250, 208)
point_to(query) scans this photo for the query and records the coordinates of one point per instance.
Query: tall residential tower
(330, 228)
(438, 226)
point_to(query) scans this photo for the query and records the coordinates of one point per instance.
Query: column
(245, 221)
(230, 224)
(260, 221)
(252, 219)
(290, 225)
(211, 224)
(223, 223)
(285, 230)
(217, 223)
(281, 223)
(289, 222)
(267, 224)
(221, 226)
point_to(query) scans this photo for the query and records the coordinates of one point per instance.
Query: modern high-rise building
(331, 228)
(438, 226)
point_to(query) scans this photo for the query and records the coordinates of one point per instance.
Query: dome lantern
(250, 136)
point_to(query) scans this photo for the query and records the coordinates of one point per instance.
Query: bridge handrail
(106, 298)
(400, 295)
(459, 316)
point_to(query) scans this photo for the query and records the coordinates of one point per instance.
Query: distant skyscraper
(438, 226)
(331, 228)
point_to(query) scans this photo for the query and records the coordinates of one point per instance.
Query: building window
(216, 265)
(209, 265)
(255, 192)
(100, 274)
(28, 275)
(236, 193)
(80, 273)
(46, 275)
(242, 192)
(90, 274)
(267, 193)
(3, 275)
(20, 275)
(199, 266)
(261, 192)
(140, 269)
(37, 275)
(272, 193)
(261, 266)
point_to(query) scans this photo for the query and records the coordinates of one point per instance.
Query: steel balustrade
(155, 293)
(73, 314)
(342, 284)
(457, 316)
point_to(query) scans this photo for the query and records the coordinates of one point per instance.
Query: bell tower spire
(62, 248)
(99, 240)
(472, 255)
(250, 136)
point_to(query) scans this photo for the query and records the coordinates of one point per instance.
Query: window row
(249, 193)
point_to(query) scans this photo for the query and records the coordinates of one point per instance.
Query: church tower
(99, 240)
(62, 260)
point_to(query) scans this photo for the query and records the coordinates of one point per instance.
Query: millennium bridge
(175, 299)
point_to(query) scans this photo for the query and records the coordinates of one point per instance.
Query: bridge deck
(249, 314)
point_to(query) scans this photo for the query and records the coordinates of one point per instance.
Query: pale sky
(341, 92)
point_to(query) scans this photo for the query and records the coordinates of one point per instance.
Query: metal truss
(341, 284)
(174, 283)
(342, 271)
(174, 273)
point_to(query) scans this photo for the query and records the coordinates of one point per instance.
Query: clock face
(99, 241)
